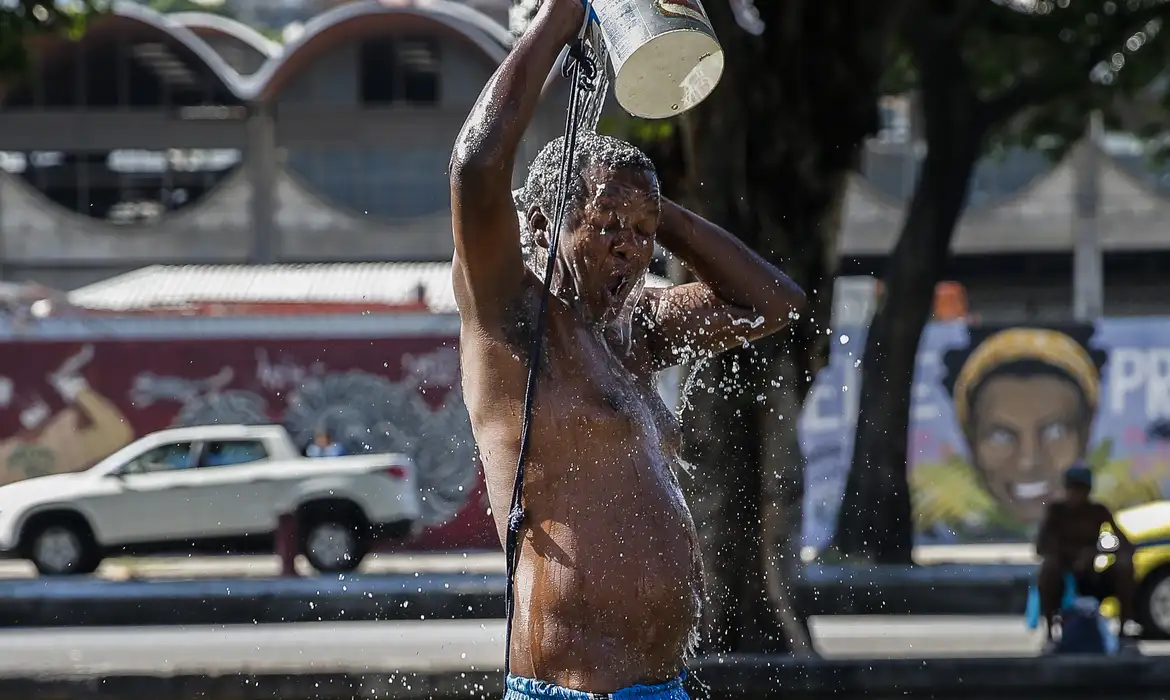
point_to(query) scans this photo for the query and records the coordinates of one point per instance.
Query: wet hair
(542, 185)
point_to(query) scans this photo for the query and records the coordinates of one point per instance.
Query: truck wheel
(62, 548)
(1154, 605)
(335, 540)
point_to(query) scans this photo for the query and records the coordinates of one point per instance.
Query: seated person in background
(323, 446)
(1067, 544)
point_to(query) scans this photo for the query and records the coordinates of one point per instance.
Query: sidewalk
(945, 589)
(250, 567)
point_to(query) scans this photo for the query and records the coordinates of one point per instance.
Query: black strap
(580, 67)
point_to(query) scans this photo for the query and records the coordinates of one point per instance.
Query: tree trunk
(769, 157)
(875, 523)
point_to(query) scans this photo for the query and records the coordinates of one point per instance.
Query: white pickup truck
(216, 488)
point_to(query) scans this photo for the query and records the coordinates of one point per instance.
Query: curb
(743, 678)
(90, 602)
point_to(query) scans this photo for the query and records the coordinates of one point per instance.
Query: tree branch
(1045, 86)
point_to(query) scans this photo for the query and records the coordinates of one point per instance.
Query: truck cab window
(225, 453)
(176, 455)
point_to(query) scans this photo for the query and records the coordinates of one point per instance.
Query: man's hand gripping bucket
(665, 56)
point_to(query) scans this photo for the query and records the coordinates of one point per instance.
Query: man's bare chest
(585, 397)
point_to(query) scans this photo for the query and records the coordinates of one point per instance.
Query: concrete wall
(313, 164)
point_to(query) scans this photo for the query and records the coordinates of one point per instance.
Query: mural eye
(1001, 436)
(1054, 431)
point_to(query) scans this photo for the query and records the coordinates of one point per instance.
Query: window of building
(396, 70)
(126, 186)
(376, 63)
(418, 62)
(101, 73)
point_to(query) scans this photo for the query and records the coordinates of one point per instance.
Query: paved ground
(491, 562)
(414, 646)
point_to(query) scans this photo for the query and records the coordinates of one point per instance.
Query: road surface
(473, 563)
(440, 645)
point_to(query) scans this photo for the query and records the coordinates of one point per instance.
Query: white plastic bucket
(664, 53)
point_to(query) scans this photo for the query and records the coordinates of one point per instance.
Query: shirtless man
(1067, 544)
(609, 582)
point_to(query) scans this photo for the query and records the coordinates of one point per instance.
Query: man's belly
(609, 585)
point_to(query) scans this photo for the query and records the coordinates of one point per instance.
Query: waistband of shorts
(543, 690)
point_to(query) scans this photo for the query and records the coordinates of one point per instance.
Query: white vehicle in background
(217, 488)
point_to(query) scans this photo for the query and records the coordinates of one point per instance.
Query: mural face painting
(997, 415)
(72, 404)
(1024, 400)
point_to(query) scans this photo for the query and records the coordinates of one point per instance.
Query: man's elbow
(475, 162)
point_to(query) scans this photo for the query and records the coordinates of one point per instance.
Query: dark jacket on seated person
(1067, 543)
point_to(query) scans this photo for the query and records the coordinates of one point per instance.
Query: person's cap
(1078, 475)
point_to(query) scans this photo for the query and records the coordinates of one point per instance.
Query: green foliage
(170, 6)
(644, 133)
(1098, 459)
(25, 19)
(1041, 73)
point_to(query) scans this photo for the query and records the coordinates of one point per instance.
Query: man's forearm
(505, 107)
(734, 272)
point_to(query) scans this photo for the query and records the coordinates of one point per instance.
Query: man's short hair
(542, 185)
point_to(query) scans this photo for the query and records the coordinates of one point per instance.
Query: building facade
(192, 139)
(1014, 247)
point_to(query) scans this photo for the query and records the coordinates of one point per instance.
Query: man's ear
(538, 225)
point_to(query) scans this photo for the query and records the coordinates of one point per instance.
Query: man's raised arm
(489, 269)
(738, 297)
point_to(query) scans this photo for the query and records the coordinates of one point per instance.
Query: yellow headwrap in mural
(1050, 347)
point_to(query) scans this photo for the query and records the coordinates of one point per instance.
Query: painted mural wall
(998, 413)
(66, 405)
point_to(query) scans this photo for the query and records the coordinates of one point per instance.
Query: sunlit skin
(610, 243)
(609, 582)
(1024, 433)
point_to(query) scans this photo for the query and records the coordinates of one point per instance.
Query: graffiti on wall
(997, 415)
(57, 420)
(64, 406)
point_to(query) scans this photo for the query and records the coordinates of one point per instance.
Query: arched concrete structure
(263, 212)
(244, 48)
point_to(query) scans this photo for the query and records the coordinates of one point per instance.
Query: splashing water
(747, 16)
(687, 468)
(750, 323)
(590, 108)
(593, 88)
(593, 102)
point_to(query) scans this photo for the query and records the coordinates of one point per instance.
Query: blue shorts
(528, 689)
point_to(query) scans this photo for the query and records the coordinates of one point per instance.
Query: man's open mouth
(616, 287)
